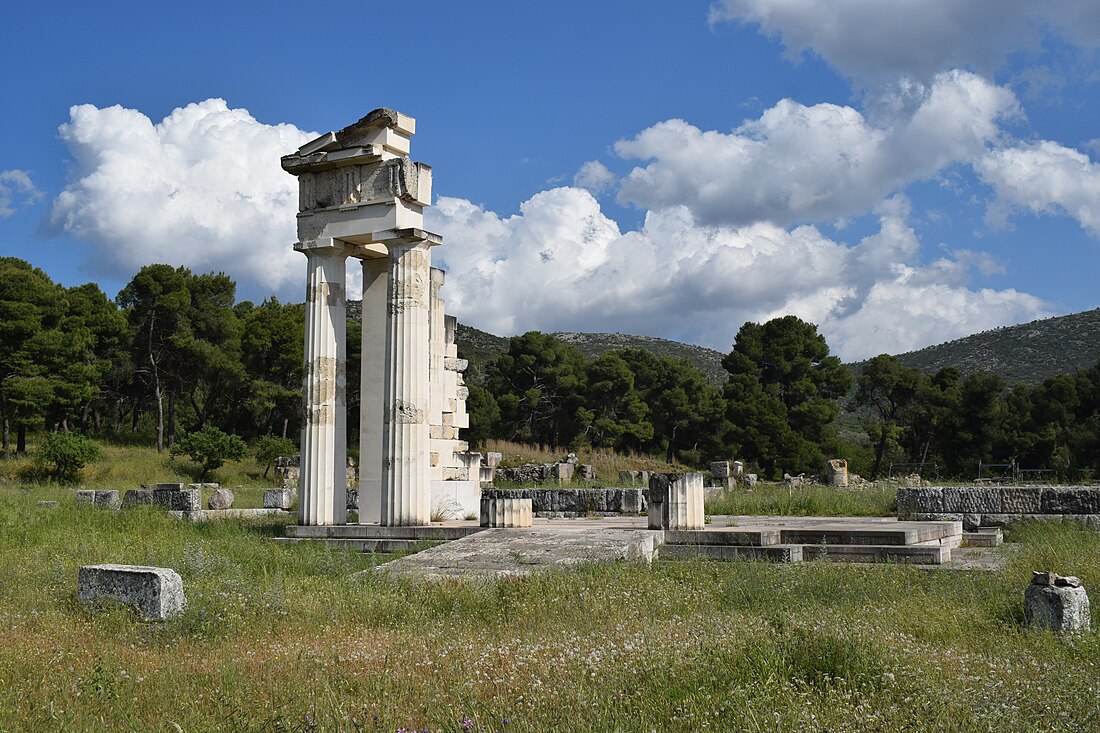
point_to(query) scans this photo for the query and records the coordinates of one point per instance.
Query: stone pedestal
(1056, 603)
(323, 478)
(676, 501)
(405, 439)
(155, 593)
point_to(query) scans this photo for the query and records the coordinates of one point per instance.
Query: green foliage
(782, 394)
(210, 448)
(270, 447)
(63, 455)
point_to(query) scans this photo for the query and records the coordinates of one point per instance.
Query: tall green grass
(302, 638)
(811, 501)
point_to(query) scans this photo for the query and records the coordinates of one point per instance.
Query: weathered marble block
(47, 505)
(137, 497)
(720, 469)
(1024, 500)
(156, 593)
(178, 500)
(1056, 603)
(972, 500)
(676, 501)
(98, 498)
(920, 500)
(279, 499)
(505, 512)
(1070, 500)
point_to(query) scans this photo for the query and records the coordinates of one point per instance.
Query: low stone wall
(577, 502)
(989, 506)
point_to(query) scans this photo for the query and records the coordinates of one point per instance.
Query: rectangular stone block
(156, 593)
(563, 472)
(505, 512)
(137, 497)
(1025, 500)
(278, 499)
(972, 500)
(680, 496)
(180, 500)
(1070, 500)
(98, 498)
(920, 500)
(168, 487)
(997, 520)
(720, 469)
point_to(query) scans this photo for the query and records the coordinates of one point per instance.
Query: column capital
(324, 246)
(411, 235)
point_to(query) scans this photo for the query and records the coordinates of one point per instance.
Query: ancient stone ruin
(361, 196)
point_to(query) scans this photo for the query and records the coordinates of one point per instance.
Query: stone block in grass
(98, 499)
(278, 499)
(1056, 603)
(178, 500)
(155, 593)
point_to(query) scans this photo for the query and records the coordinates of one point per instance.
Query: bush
(270, 447)
(210, 448)
(63, 455)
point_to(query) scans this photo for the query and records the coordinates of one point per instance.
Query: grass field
(281, 638)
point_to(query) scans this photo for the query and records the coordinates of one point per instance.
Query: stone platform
(462, 548)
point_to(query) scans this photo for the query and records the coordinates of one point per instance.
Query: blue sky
(898, 173)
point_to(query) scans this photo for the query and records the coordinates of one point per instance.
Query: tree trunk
(171, 418)
(880, 449)
(7, 435)
(21, 440)
(134, 419)
(286, 420)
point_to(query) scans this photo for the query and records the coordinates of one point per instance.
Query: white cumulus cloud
(810, 163)
(595, 177)
(1044, 178)
(201, 188)
(562, 264)
(874, 41)
(16, 188)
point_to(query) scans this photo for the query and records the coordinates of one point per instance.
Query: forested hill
(1029, 352)
(480, 347)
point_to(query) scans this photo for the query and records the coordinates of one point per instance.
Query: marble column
(405, 439)
(372, 387)
(322, 486)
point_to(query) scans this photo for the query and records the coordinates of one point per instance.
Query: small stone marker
(156, 593)
(98, 498)
(278, 499)
(505, 512)
(1056, 603)
(220, 499)
(47, 505)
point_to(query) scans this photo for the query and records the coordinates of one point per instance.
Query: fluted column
(322, 486)
(372, 398)
(405, 464)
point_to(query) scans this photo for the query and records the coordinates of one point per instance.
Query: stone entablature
(361, 196)
(987, 506)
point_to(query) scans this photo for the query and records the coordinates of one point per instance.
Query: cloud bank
(874, 42)
(201, 188)
(562, 264)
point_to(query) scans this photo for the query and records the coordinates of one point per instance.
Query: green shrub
(63, 455)
(210, 448)
(270, 447)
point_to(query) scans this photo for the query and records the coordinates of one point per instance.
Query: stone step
(775, 553)
(839, 535)
(379, 532)
(754, 537)
(364, 545)
(986, 537)
(920, 554)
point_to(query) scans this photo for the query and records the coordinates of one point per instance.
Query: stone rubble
(1056, 603)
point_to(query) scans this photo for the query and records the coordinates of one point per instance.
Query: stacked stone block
(578, 502)
(987, 506)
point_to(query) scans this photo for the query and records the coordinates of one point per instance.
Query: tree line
(174, 352)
